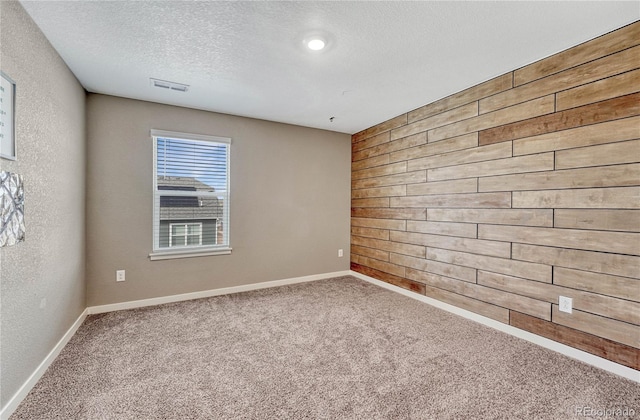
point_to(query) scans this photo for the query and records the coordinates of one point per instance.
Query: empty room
(336, 210)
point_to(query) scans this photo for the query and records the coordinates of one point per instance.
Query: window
(191, 195)
(183, 234)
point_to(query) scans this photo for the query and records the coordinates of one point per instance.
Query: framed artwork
(12, 226)
(7, 117)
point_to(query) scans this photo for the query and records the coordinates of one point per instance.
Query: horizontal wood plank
(370, 232)
(621, 220)
(456, 186)
(497, 297)
(383, 266)
(602, 133)
(587, 198)
(619, 85)
(394, 213)
(386, 126)
(370, 253)
(466, 141)
(370, 162)
(611, 109)
(479, 200)
(394, 168)
(602, 284)
(621, 332)
(465, 230)
(604, 154)
(392, 191)
(390, 147)
(519, 217)
(599, 47)
(389, 278)
(607, 306)
(379, 223)
(607, 176)
(527, 270)
(592, 240)
(371, 142)
(597, 262)
(370, 202)
(387, 180)
(390, 246)
(447, 117)
(470, 304)
(477, 154)
(465, 274)
(607, 66)
(476, 246)
(608, 349)
(514, 165)
(471, 94)
(530, 109)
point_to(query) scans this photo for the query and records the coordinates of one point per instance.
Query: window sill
(190, 253)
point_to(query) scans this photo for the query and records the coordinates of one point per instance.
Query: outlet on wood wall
(503, 197)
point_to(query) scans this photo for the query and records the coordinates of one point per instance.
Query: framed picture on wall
(7, 117)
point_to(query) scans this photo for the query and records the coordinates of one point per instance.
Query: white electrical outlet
(120, 275)
(43, 303)
(565, 303)
(340, 253)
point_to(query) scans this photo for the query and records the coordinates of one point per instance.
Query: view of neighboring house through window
(181, 234)
(191, 192)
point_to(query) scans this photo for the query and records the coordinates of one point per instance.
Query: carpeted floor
(331, 349)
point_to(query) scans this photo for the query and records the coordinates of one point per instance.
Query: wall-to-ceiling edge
(503, 197)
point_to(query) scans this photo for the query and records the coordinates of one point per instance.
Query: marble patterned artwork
(11, 208)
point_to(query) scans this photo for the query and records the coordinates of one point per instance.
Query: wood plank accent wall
(503, 197)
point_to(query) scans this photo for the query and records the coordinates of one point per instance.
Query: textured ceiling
(248, 59)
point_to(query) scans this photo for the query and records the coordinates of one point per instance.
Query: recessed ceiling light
(315, 44)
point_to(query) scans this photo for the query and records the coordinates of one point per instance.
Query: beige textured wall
(503, 197)
(50, 131)
(289, 201)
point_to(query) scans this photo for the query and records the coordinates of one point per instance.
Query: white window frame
(190, 250)
(186, 232)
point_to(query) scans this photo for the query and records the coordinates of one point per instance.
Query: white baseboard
(17, 398)
(574, 353)
(208, 293)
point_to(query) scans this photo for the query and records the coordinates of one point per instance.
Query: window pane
(178, 230)
(191, 193)
(194, 229)
(191, 165)
(177, 240)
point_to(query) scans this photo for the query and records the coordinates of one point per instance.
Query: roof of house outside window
(187, 208)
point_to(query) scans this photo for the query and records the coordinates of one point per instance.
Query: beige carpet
(331, 349)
